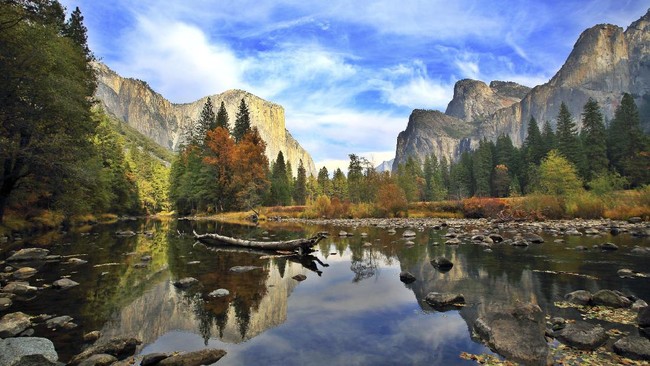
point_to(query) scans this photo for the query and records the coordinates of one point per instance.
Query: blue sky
(348, 73)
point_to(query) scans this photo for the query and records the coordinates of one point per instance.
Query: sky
(348, 73)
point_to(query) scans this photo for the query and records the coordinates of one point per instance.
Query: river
(352, 308)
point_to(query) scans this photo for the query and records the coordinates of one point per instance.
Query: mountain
(148, 112)
(606, 61)
(385, 166)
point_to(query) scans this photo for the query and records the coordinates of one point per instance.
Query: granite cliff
(606, 61)
(135, 103)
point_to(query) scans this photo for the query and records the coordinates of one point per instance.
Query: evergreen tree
(533, 146)
(548, 138)
(207, 122)
(300, 189)
(222, 117)
(242, 122)
(280, 187)
(435, 189)
(568, 143)
(355, 177)
(594, 138)
(460, 177)
(626, 139)
(324, 183)
(482, 169)
(77, 31)
(339, 185)
(411, 179)
(501, 181)
(444, 172)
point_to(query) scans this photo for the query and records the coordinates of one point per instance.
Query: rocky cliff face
(134, 102)
(605, 62)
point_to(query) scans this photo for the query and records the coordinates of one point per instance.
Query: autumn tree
(220, 157)
(250, 170)
(558, 176)
(391, 201)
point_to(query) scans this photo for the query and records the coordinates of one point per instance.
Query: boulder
(454, 241)
(635, 220)
(118, 347)
(197, 358)
(29, 254)
(496, 238)
(408, 234)
(533, 238)
(582, 335)
(64, 284)
(64, 321)
(187, 282)
(634, 347)
(520, 243)
(92, 336)
(153, 359)
(24, 273)
(5, 303)
(406, 277)
(20, 288)
(639, 305)
(101, 359)
(444, 301)
(27, 351)
(516, 332)
(608, 246)
(611, 299)
(219, 293)
(13, 324)
(76, 261)
(579, 297)
(442, 263)
(643, 319)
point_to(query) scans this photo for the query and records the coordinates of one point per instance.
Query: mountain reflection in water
(352, 309)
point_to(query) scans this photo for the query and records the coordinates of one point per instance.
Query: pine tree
(594, 138)
(548, 138)
(482, 166)
(626, 139)
(77, 31)
(533, 145)
(339, 185)
(460, 177)
(568, 143)
(207, 122)
(324, 183)
(280, 188)
(242, 122)
(355, 177)
(222, 117)
(300, 189)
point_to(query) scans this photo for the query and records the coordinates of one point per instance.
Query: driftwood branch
(297, 244)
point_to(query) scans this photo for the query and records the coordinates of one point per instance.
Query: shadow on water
(352, 308)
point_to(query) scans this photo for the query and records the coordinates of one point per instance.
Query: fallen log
(301, 245)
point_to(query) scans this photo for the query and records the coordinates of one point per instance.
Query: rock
(29, 254)
(5, 303)
(582, 335)
(408, 234)
(635, 220)
(24, 273)
(533, 238)
(153, 358)
(64, 284)
(101, 359)
(643, 318)
(146, 258)
(141, 265)
(638, 305)
(496, 238)
(118, 347)
(391, 231)
(125, 233)
(343, 233)
(13, 324)
(27, 351)
(520, 243)
(442, 263)
(363, 235)
(241, 269)
(641, 250)
(219, 293)
(516, 332)
(608, 246)
(299, 277)
(60, 322)
(614, 231)
(558, 323)
(634, 347)
(442, 301)
(187, 282)
(611, 299)
(592, 231)
(367, 245)
(76, 261)
(197, 358)
(573, 232)
(579, 297)
(91, 337)
(454, 241)
(478, 238)
(581, 248)
(406, 277)
(625, 273)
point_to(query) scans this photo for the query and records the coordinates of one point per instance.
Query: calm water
(351, 310)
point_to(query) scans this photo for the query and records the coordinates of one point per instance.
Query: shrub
(542, 206)
(391, 201)
(321, 207)
(479, 207)
(585, 205)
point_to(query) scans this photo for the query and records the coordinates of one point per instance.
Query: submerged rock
(406, 277)
(118, 347)
(196, 358)
(516, 332)
(29, 254)
(64, 284)
(634, 347)
(582, 335)
(608, 246)
(27, 351)
(185, 283)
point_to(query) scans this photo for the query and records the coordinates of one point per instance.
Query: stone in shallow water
(29, 254)
(611, 299)
(27, 351)
(64, 284)
(13, 324)
(442, 263)
(24, 272)
(219, 293)
(242, 269)
(408, 234)
(443, 300)
(60, 322)
(406, 277)
(118, 347)
(582, 335)
(196, 358)
(579, 297)
(299, 277)
(634, 347)
(185, 283)
(101, 359)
